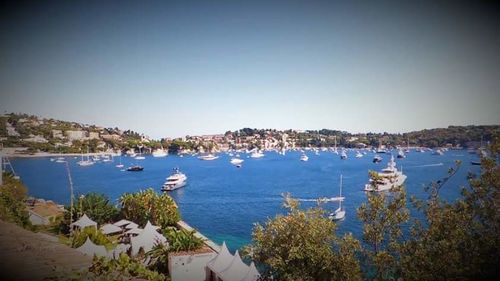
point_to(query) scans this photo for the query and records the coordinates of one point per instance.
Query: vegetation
(147, 205)
(97, 206)
(182, 240)
(95, 235)
(102, 269)
(382, 218)
(12, 207)
(302, 245)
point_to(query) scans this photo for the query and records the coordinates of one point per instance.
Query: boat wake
(428, 165)
(324, 199)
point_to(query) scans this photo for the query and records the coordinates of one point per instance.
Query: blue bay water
(223, 202)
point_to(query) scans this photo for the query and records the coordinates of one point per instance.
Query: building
(76, 135)
(93, 135)
(44, 212)
(57, 134)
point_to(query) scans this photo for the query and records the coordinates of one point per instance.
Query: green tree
(96, 206)
(460, 239)
(382, 216)
(148, 205)
(12, 207)
(302, 245)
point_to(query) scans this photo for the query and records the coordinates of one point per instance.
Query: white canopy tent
(91, 249)
(122, 223)
(83, 222)
(253, 274)
(131, 225)
(231, 268)
(147, 239)
(236, 270)
(221, 261)
(134, 231)
(110, 229)
(120, 248)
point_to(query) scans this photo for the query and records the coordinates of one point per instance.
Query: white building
(76, 135)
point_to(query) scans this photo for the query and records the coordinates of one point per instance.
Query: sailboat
(140, 157)
(86, 162)
(407, 150)
(340, 212)
(120, 165)
(335, 148)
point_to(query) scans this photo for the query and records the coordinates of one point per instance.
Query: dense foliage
(302, 245)
(147, 205)
(96, 206)
(182, 240)
(12, 207)
(103, 269)
(95, 235)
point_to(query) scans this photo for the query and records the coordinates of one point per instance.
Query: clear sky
(200, 67)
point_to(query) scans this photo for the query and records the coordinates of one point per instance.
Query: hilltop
(36, 134)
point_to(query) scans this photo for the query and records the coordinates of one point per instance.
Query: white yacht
(208, 157)
(401, 154)
(175, 181)
(60, 160)
(304, 158)
(340, 212)
(359, 154)
(438, 152)
(343, 155)
(236, 161)
(389, 177)
(160, 153)
(257, 154)
(377, 158)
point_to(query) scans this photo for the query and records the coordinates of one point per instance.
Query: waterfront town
(29, 135)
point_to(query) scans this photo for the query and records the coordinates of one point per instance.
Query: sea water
(224, 202)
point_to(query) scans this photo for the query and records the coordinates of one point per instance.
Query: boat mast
(340, 201)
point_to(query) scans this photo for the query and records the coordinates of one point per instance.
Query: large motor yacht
(389, 177)
(175, 181)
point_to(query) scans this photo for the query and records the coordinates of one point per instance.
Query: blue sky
(201, 67)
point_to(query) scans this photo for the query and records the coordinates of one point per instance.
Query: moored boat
(175, 181)
(135, 168)
(389, 177)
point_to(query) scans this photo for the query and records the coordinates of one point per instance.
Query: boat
(401, 154)
(257, 154)
(107, 158)
(86, 162)
(304, 158)
(359, 154)
(389, 177)
(340, 212)
(160, 153)
(335, 145)
(477, 163)
(175, 181)
(377, 159)
(208, 157)
(438, 152)
(140, 156)
(135, 168)
(236, 161)
(343, 155)
(60, 160)
(120, 165)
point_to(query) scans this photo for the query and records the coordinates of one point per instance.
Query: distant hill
(50, 135)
